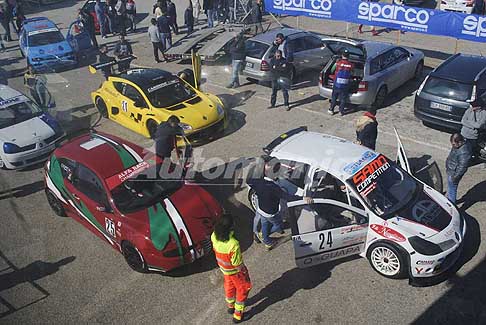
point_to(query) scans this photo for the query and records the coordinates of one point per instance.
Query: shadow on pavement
(474, 195)
(21, 191)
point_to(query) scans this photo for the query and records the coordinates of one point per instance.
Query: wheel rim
(133, 258)
(253, 200)
(385, 261)
(55, 206)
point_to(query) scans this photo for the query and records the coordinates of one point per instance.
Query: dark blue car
(44, 46)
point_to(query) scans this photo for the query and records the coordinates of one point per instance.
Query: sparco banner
(414, 19)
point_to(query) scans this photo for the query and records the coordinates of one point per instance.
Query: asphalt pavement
(52, 270)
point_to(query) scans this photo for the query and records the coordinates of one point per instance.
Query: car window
(337, 47)
(118, 86)
(312, 42)
(297, 44)
(132, 93)
(294, 172)
(399, 54)
(255, 50)
(317, 217)
(481, 85)
(326, 186)
(45, 38)
(67, 168)
(89, 184)
(381, 62)
(448, 89)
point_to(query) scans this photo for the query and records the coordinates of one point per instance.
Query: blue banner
(413, 19)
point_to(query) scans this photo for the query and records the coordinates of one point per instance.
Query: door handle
(305, 244)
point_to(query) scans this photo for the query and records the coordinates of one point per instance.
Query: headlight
(11, 148)
(220, 109)
(424, 247)
(185, 127)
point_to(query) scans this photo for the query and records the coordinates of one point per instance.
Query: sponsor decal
(332, 255)
(474, 25)
(8, 102)
(110, 227)
(368, 174)
(399, 15)
(53, 29)
(133, 171)
(320, 8)
(162, 85)
(353, 167)
(388, 233)
(352, 229)
(419, 270)
(425, 262)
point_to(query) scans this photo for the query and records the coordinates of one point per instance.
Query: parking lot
(52, 270)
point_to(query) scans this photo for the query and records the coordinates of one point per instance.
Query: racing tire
(380, 97)
(419, 70)
(387, 260)
(101, 106)
(133, 257)
(55, 204)
(152, 128)
(253, 199)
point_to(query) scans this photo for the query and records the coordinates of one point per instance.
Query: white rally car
(366, 204)
(27, 134)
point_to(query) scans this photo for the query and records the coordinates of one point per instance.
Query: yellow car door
(134, 108)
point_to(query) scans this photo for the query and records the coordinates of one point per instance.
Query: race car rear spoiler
(283, 137)
(98, 66)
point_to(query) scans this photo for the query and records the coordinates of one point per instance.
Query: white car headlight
(185, 127)
(220, 109)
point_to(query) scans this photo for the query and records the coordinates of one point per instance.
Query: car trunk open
(327, 77)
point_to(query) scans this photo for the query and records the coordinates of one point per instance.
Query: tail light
(264, 66)
(363, 86)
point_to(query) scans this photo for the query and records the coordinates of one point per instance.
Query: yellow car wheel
(101, 106)
(152, 128)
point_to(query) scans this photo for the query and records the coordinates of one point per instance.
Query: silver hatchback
(310, 52)
(379, 69)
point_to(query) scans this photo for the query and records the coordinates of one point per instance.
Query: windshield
(383, 186)
(18, 112)
(448, 89)
(45, 38)
(169, 93)
(141, 192)
(255, 50)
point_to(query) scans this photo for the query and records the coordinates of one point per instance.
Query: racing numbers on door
(124, 106)
(325, 240)
(110, 226)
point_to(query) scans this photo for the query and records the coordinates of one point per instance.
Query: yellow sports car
(141, 99)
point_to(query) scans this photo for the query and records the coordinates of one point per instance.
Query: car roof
(6, 92)
(461, 68)
(38, 23)
(374, 48)
(326, 152)
(269, 37)
(104, 154)
(145, 78)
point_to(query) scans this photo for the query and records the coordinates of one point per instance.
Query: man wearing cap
(473, 121)
(343, 72)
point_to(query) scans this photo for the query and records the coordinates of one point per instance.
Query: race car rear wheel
(133, 257)
(253, 199)
(152, 128)
(387, 260)
(101, 106)
(55, 204)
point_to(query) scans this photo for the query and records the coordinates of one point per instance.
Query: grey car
(311, 51)
(379, 69)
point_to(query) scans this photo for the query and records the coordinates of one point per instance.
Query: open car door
(78, 37)
(326, 230)
(196, 68)
(402, 159)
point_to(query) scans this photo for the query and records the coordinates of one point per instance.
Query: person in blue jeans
(238, 55)
(343, 73)
(163, 23)
(101, 12)
(457, 163)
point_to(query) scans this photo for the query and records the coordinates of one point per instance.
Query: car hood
(27, 132)
(198, 112)
(427, 216)
(54, 49)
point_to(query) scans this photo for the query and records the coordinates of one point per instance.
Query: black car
(446, 92)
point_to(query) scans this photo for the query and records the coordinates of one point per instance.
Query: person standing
(238, 55)
(156, 39)
(256, 14)
(237, 283)
(280, 70)
(5, 13)
(208, 6)
(342, 70)
(196, 11)
(121, 16)
(457, 163)
(111, 16)
(88, 23)
(373, 28)
(132, 14)
(172, 15)
(479, 7)
(166, 136)
(164, 28)
(367, 129)
(105, 58)
(123, 50)
(473, 121)
(101, 13)
(189, 18)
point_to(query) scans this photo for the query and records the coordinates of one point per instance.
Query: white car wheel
(253, 198)
(386, 259)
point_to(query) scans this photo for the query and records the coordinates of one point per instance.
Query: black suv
(446, 92)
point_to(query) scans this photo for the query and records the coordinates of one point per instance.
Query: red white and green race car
(103, 182)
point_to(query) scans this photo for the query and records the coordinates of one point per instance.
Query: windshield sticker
(353, 167)
(370, 172)
(162, 85)
(9, 102)
(133, 171)
(43, 31)
(92, 143)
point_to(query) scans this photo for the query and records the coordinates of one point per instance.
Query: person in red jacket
(343, 73)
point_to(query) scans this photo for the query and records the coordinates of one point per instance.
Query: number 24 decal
(324, 242)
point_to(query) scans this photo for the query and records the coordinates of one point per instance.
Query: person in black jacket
(280, 70)
(172, 15)
(89, 24)
(189, 19)
(163, 24)
(456, 164)
(367, 129)
(123, 50)
(256, 15)
(165, 136)
(238, 54)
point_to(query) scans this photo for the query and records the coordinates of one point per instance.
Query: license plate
(443, 107)
(249, 65)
